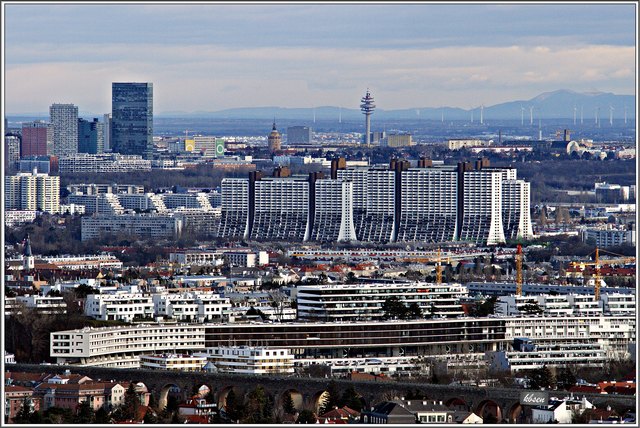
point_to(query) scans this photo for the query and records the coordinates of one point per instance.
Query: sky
(213, 56)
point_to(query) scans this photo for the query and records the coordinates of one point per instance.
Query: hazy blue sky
(212, 56)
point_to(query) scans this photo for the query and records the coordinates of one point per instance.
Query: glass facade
(132, 119)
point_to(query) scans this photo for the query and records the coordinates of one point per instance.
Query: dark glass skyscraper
(90, 136)
(132, 119)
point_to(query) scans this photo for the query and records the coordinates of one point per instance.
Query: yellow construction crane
(519, 258)
(597, 263)
(438, 261)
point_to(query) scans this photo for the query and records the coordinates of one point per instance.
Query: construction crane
(597, 263)
(438, 261)
(439, 269)
(519, 258)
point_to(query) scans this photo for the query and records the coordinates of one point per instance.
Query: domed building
(275, 139)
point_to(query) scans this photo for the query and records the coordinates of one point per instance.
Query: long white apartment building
(348, 302)
(333, 216)
(516, 203)
(183, 307)
(613, 334)
(482, 213)
(142, 201)
(234, 221)
(103, 203)
(250, 359)
(281, 209)
(451, 339)
(146, 225)
(550, 355)
(42, 304)
(612, 303)
(429, 205)
(102, 163)
(180, 362)
(121, 347)
(31, 191)
(97, 261)
(373, 202)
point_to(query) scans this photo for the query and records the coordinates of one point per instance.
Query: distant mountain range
(549, 105)
(560, 104)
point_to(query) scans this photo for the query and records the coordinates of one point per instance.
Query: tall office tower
(373, 202)
(32, 191)
(281, 209)
(275, 139)
(132, 119)
(333, 216)
(106, 132)
(299, 135)
(367, 107)
(234, 206)
(480, 206)
(516, 205)
(429, 205)
(37, 139)
(90, 136)
(64, 119)
(11, 152)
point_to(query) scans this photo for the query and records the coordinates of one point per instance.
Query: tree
(85, 413)
(414, 311)
(288, 405)
(25, 413)
(129, 409)
(102, 416)
(234, 407)
(541, 378)
(306, 417)
(332, 398)
(351, 399)
(393, 308)
(530, 308)
(259, 407)
(565, 378)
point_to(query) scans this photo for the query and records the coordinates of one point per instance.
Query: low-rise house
(344, 415)
(408, 412)
(15, 397)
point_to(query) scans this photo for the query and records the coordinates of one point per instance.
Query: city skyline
(210, 57)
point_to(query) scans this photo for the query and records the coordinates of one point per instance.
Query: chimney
(425, 163)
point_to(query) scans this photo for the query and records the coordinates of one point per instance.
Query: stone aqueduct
(307, 393)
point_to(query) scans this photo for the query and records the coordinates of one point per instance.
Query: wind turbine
(531, 115)
(472, 115)
(521, 116)
(597, 113)
(625, 115)
(481, 114)
(581, 115)
(611, 115)
(575, 111)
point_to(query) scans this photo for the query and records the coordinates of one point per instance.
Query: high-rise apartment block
(106, 132)
(333, 213)
(37, 139)
(396, 203)
(132, 119)
(32, 191)
(11, 152)
(299, 135)
(281, 210)
(64, 119)
(234, 206)
(90, 136)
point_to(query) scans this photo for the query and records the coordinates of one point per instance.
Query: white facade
(251, 360)
(234, 205)
(429, 205)
(482, 219)
(459, 144)
(154, 226)
(105, 203)
(15, 217)
(123, 306)
(32, 191)
(343, 302)
(281, 209)
(333, 217)
(180, 362)
(121, 347)
(610, 237)
(516, 216)
(106, 162)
